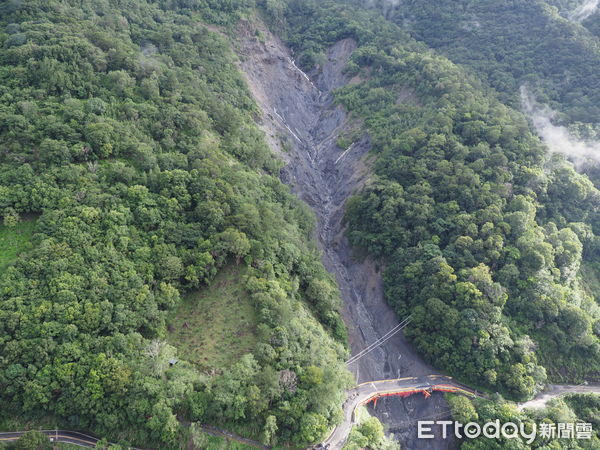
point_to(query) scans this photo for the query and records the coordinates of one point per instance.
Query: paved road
(69, 437)
(358, 396)
(558, 390)
(85, 440)
(367, 392)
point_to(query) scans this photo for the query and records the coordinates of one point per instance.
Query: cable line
(380, 341)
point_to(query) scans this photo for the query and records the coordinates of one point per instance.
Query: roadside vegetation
(368, 433)
(571, 409)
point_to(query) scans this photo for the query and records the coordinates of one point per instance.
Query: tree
(100, 136)
(372, 429)
(163, 423)
(462, 409)
(159, 354)
(269, 430)
(11, 217)
(33, 440)
(198, 404)
(312, 428)
(199, 438)
(171, 268)
(234, 243)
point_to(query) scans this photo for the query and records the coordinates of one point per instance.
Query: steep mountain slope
(127, 126)
(473, 223)
(304, 126)
(510, 43)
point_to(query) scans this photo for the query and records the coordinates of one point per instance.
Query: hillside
(209, 205)
(469, 217)
(127, 127)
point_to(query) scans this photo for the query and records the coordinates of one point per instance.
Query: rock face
(302, 125)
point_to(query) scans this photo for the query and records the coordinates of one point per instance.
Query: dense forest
(482, 235)
(510, 43)
(154, 270)
(128, 139)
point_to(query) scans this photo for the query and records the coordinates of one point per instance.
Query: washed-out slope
(302, 124)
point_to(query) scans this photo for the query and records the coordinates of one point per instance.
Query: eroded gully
(302, 125)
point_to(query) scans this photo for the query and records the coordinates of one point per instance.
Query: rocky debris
(302, 125)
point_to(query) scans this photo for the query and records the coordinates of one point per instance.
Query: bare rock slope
(302, 125)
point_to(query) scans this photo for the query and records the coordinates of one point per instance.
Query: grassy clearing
(14, 240)
(213, 327)
(218, 443)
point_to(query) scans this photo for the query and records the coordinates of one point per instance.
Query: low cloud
(558, 138)
(584, 11)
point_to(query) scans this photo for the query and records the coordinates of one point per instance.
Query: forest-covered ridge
(482, 234)
(127, 128)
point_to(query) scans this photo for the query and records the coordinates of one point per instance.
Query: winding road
(323, 175)
(64, 436)
(371, 391)
(360, 395)
(87, 441)
(302, 124)
(557, 390)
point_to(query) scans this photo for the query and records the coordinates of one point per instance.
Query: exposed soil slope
(302, 125)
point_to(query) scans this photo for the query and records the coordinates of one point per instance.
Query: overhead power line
(380, 341)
